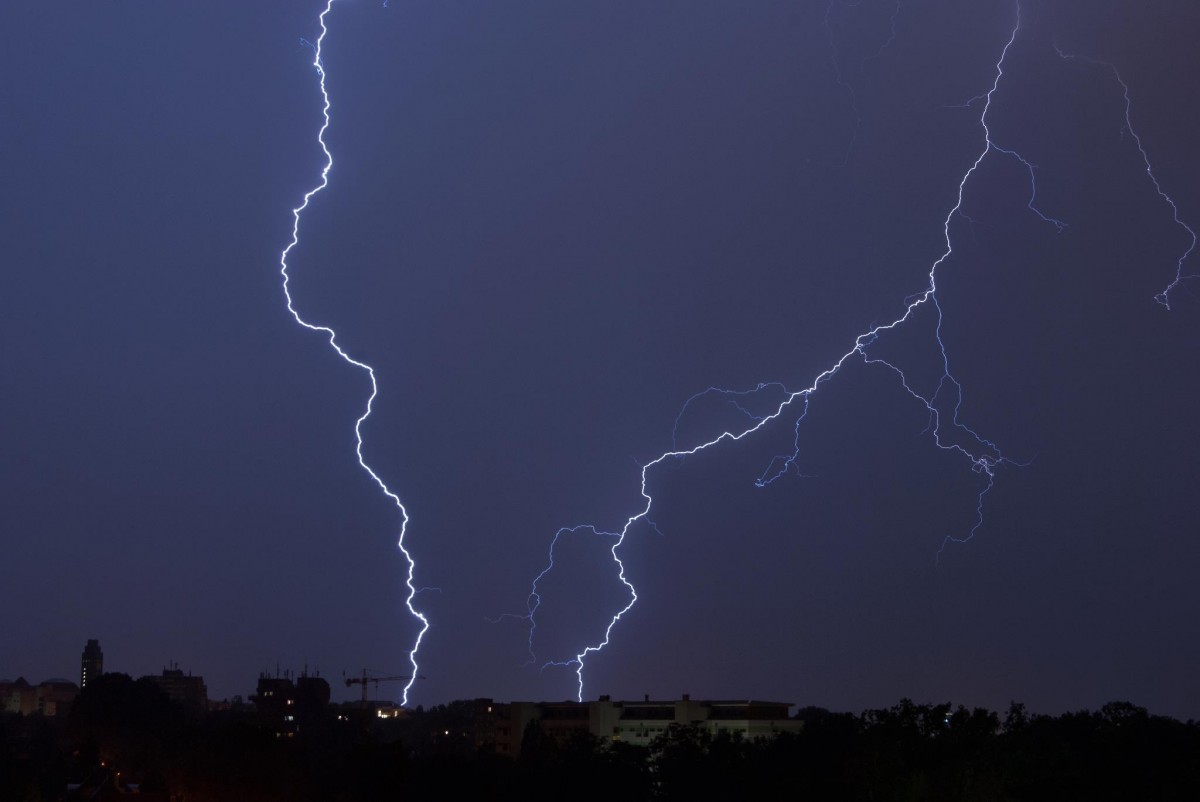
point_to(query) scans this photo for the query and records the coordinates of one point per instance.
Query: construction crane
(364, 679)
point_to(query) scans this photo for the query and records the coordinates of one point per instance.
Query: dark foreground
(121, 732)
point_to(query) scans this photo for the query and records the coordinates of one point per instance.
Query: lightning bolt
(944, 404)
(1163, 297)
(332, 337)
(840, 76)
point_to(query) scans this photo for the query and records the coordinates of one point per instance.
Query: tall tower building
(92, 664)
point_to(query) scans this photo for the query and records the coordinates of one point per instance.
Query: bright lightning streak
(982, 455)
(332, 335)
(731, 396)
(1163, 297)
(534, 600)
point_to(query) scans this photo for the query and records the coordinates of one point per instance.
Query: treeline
(121, 732)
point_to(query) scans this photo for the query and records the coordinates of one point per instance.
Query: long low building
(637, 723)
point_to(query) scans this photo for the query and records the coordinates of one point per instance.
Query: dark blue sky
(548, 225)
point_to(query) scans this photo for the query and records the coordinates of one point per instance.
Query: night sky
(548, 225)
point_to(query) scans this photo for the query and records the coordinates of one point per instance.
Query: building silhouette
(183, 689)
(92, 664)
(637, 723)
(50, 698)
(287, 705)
